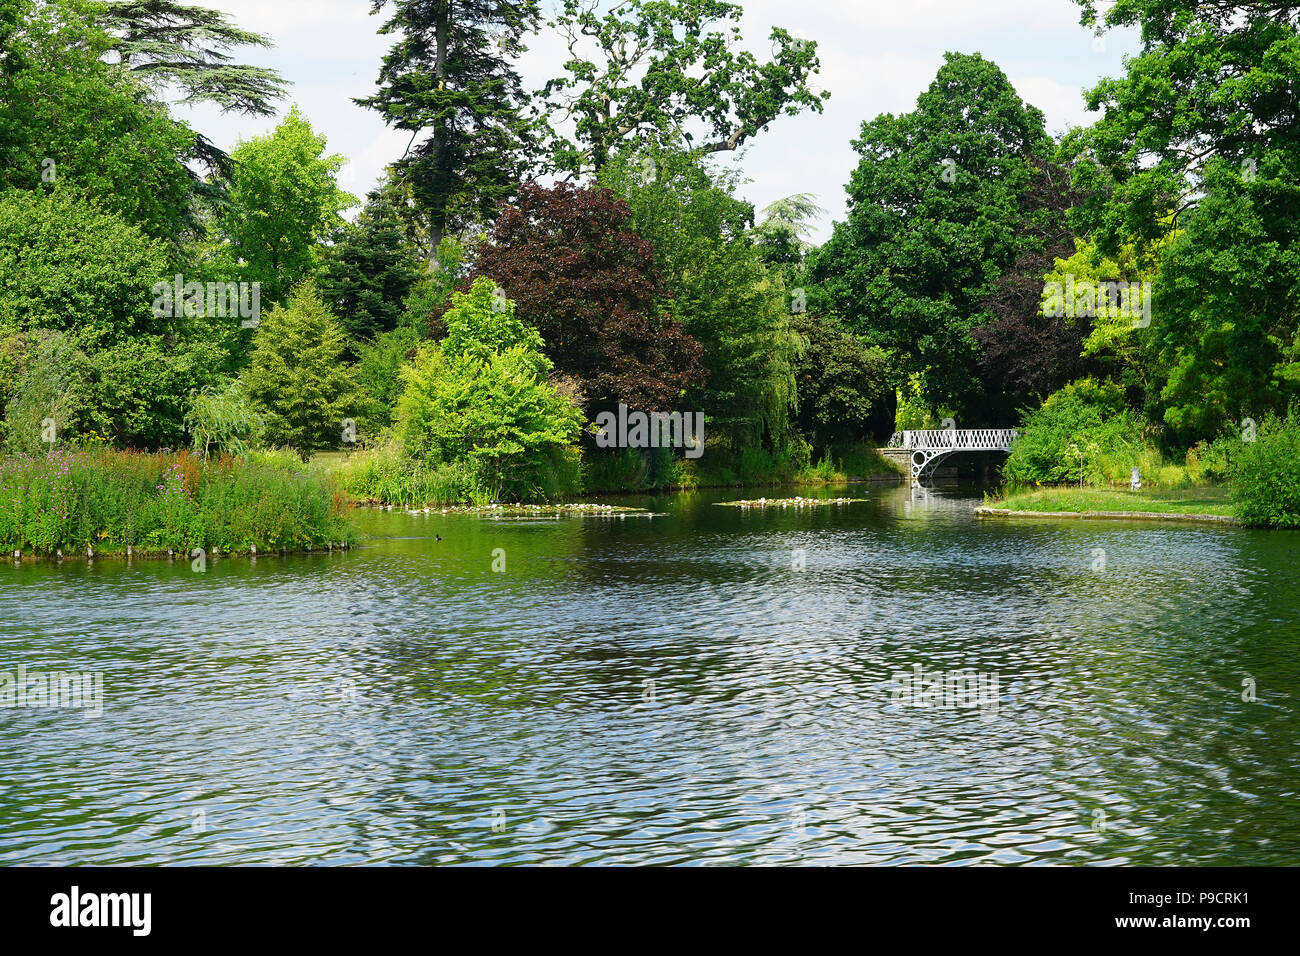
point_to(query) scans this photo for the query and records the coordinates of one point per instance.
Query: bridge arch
(930, 447)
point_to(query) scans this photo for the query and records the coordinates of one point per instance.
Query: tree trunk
(438, 215)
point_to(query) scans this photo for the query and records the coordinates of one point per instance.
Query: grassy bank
(111, 500)
(1204, 500)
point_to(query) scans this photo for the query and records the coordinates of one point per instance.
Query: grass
(1202, 500)
(111, 501)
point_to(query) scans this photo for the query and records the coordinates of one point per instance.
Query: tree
(284, 202)
(70, 268)
(296, 376)
(222, 417)
(69, 265)
(369, 273)
(1199, 138)
(450, 81)
(1215, 79)
(664, 72)
(723, 293)
(580, 275)
(935, 216)
(482, 396)
(1026, 355)
(168, 44)
(782, 236)
(72, 121)
(844, 386)
(1226, 310)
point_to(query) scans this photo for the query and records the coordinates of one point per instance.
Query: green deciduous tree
(221, 417)
(284, 203)
(845, 390)
(482, 396)
(69, 265)
(723, 293)
(72, 121)
(296, 375)
(1200, 136)
(935, 216)
(670, 73)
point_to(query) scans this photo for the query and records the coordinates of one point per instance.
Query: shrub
(223, 419)
(1266, 475)
(482, 397)
(1084, 432)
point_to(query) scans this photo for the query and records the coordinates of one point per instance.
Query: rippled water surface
(669, 690)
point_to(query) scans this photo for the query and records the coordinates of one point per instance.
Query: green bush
(482, 397)
(1084, 432)
(223, 419)
(1266, 475)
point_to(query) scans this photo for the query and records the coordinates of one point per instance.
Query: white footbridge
(929, 448)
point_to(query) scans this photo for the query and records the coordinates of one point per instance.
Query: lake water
(707, 686)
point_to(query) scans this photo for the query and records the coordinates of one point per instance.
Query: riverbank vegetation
(540, 258)
(104, 501)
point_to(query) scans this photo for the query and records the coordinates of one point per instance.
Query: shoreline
(986, 511)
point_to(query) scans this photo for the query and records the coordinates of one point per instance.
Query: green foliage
(221, 418)
(130, 393)
(935, 217)
(387, 475)
(371, 270)
(177, 44)
(1065, 440)
(296, 377)
(449, 81)
(423, 308)
(723, 293)
(379, 374)
(482, 397)
(844, 386)
(66, 264)
(1228, 306)
(1266, 475)
(1200, 133)
(667, 44)
(113, 500)
(51, 382)
(782, 236)
(102, 135)
(482, 322)
(284, 202)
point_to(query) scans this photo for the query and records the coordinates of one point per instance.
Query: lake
(887, 681)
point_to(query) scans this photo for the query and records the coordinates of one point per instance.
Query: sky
(877, 56)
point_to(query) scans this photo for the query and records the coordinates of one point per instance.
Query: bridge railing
(960, 439)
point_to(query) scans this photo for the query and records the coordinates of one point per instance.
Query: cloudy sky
(877, 55)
